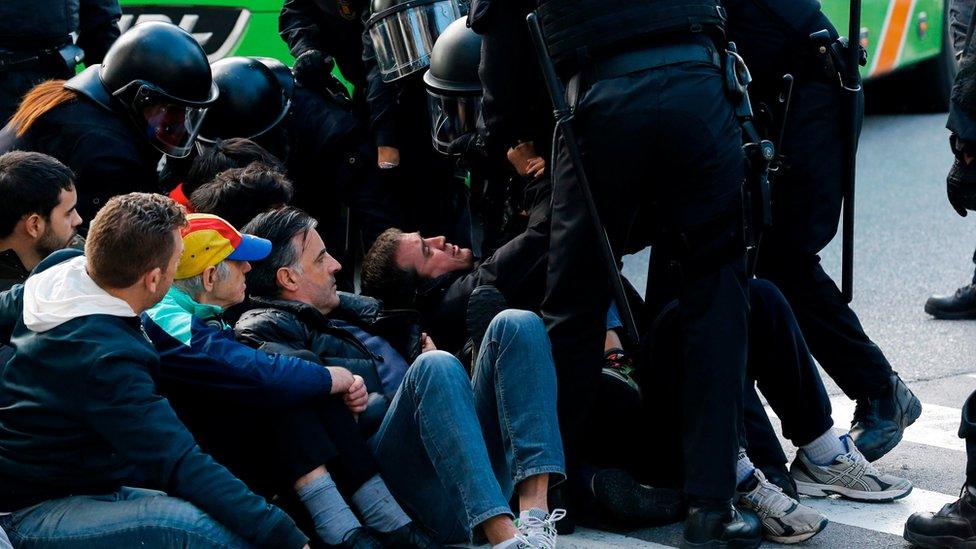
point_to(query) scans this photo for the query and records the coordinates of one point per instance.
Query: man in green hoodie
(83, 430)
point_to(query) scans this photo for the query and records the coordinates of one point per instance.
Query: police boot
(880, 422)
(959, 306)
(719, 524)
(626, 501)
(954, 526)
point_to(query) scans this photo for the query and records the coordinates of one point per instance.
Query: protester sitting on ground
(82, 427)
(37, 212)
(239, 194)
(453, 449)
(225, 154)
(268, 418)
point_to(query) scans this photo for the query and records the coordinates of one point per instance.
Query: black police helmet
(286, 78)
(251, 101)
(454, 61)
(161, 76)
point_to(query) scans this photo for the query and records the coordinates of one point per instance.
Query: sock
(824, 449)
(743, 468)
(378, 508)
(332, 517)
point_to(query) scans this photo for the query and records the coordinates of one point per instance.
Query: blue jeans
(129, 517)
(452, 449)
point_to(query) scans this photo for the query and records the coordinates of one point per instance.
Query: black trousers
(967, 430)
(806, 210)
(270, 449)
(662, 152)
(781, 367)
(779, 364)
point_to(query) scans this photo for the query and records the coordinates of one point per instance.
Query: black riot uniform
(35, 37)
(663, 152)
(146, 100)
(426, 184)
(773, 37)
(332, 27)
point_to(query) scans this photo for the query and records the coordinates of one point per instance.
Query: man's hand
(426, 343)
(387, 157)
(342, 379)
(526, 161)
(961, 184)
(312, 68)
(356, 398)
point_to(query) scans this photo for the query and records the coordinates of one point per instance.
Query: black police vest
(577, 30)
(37, 23)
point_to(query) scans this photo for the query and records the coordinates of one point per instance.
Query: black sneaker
(952, 527)
(409, 536)
(879, 423)
(625, 500)
(361, 538)
(959, 306)
(719, 524)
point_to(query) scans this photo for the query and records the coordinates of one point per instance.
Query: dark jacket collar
(11, 267)
(352, 308)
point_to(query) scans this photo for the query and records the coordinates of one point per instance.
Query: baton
(853, 87)
(563, 116)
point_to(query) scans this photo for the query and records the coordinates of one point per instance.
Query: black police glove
(313, 70)
(961, 186)
(472, 150)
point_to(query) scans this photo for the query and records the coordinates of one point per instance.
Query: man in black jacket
(453, 449)
(35, 36)
(90, 421)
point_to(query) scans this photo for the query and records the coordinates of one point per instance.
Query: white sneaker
(850, 476)
(537, 529)
(784, 519)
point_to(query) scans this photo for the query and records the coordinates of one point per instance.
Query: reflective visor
(172, 128)
(452, 116)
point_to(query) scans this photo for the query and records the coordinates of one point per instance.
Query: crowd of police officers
(654, 149)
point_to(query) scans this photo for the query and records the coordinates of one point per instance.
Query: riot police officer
(36, 43)
(321, 33)
(326, 151)
(662, 148)
(774, 37)
(112, 123)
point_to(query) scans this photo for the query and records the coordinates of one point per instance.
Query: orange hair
(38, 101)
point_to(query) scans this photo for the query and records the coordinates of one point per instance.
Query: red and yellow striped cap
(208, 240)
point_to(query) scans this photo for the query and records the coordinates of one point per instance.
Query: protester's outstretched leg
(129, 517)
(432, 453)
(514, 385)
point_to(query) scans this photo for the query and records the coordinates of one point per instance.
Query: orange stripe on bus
(891, 42)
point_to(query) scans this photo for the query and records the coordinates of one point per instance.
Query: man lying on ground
(269, 418)
(83, 431)
(454, 449)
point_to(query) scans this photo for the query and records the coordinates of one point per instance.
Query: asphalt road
(909, 244)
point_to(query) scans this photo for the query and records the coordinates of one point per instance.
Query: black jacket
(334, 27)
(12, 270)
(284, 326)
(104, 149)
(79, 414)
(42, 24)
(517, 269)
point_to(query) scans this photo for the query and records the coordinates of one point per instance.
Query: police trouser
(663, 153)
(806, 210)
(967, 430)
(779, 364)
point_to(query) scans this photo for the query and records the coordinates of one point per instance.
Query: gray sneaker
(783, 519)
(850, 476)
(537, 529)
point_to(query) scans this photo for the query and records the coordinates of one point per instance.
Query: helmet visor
(452, 116)
(172, 128)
